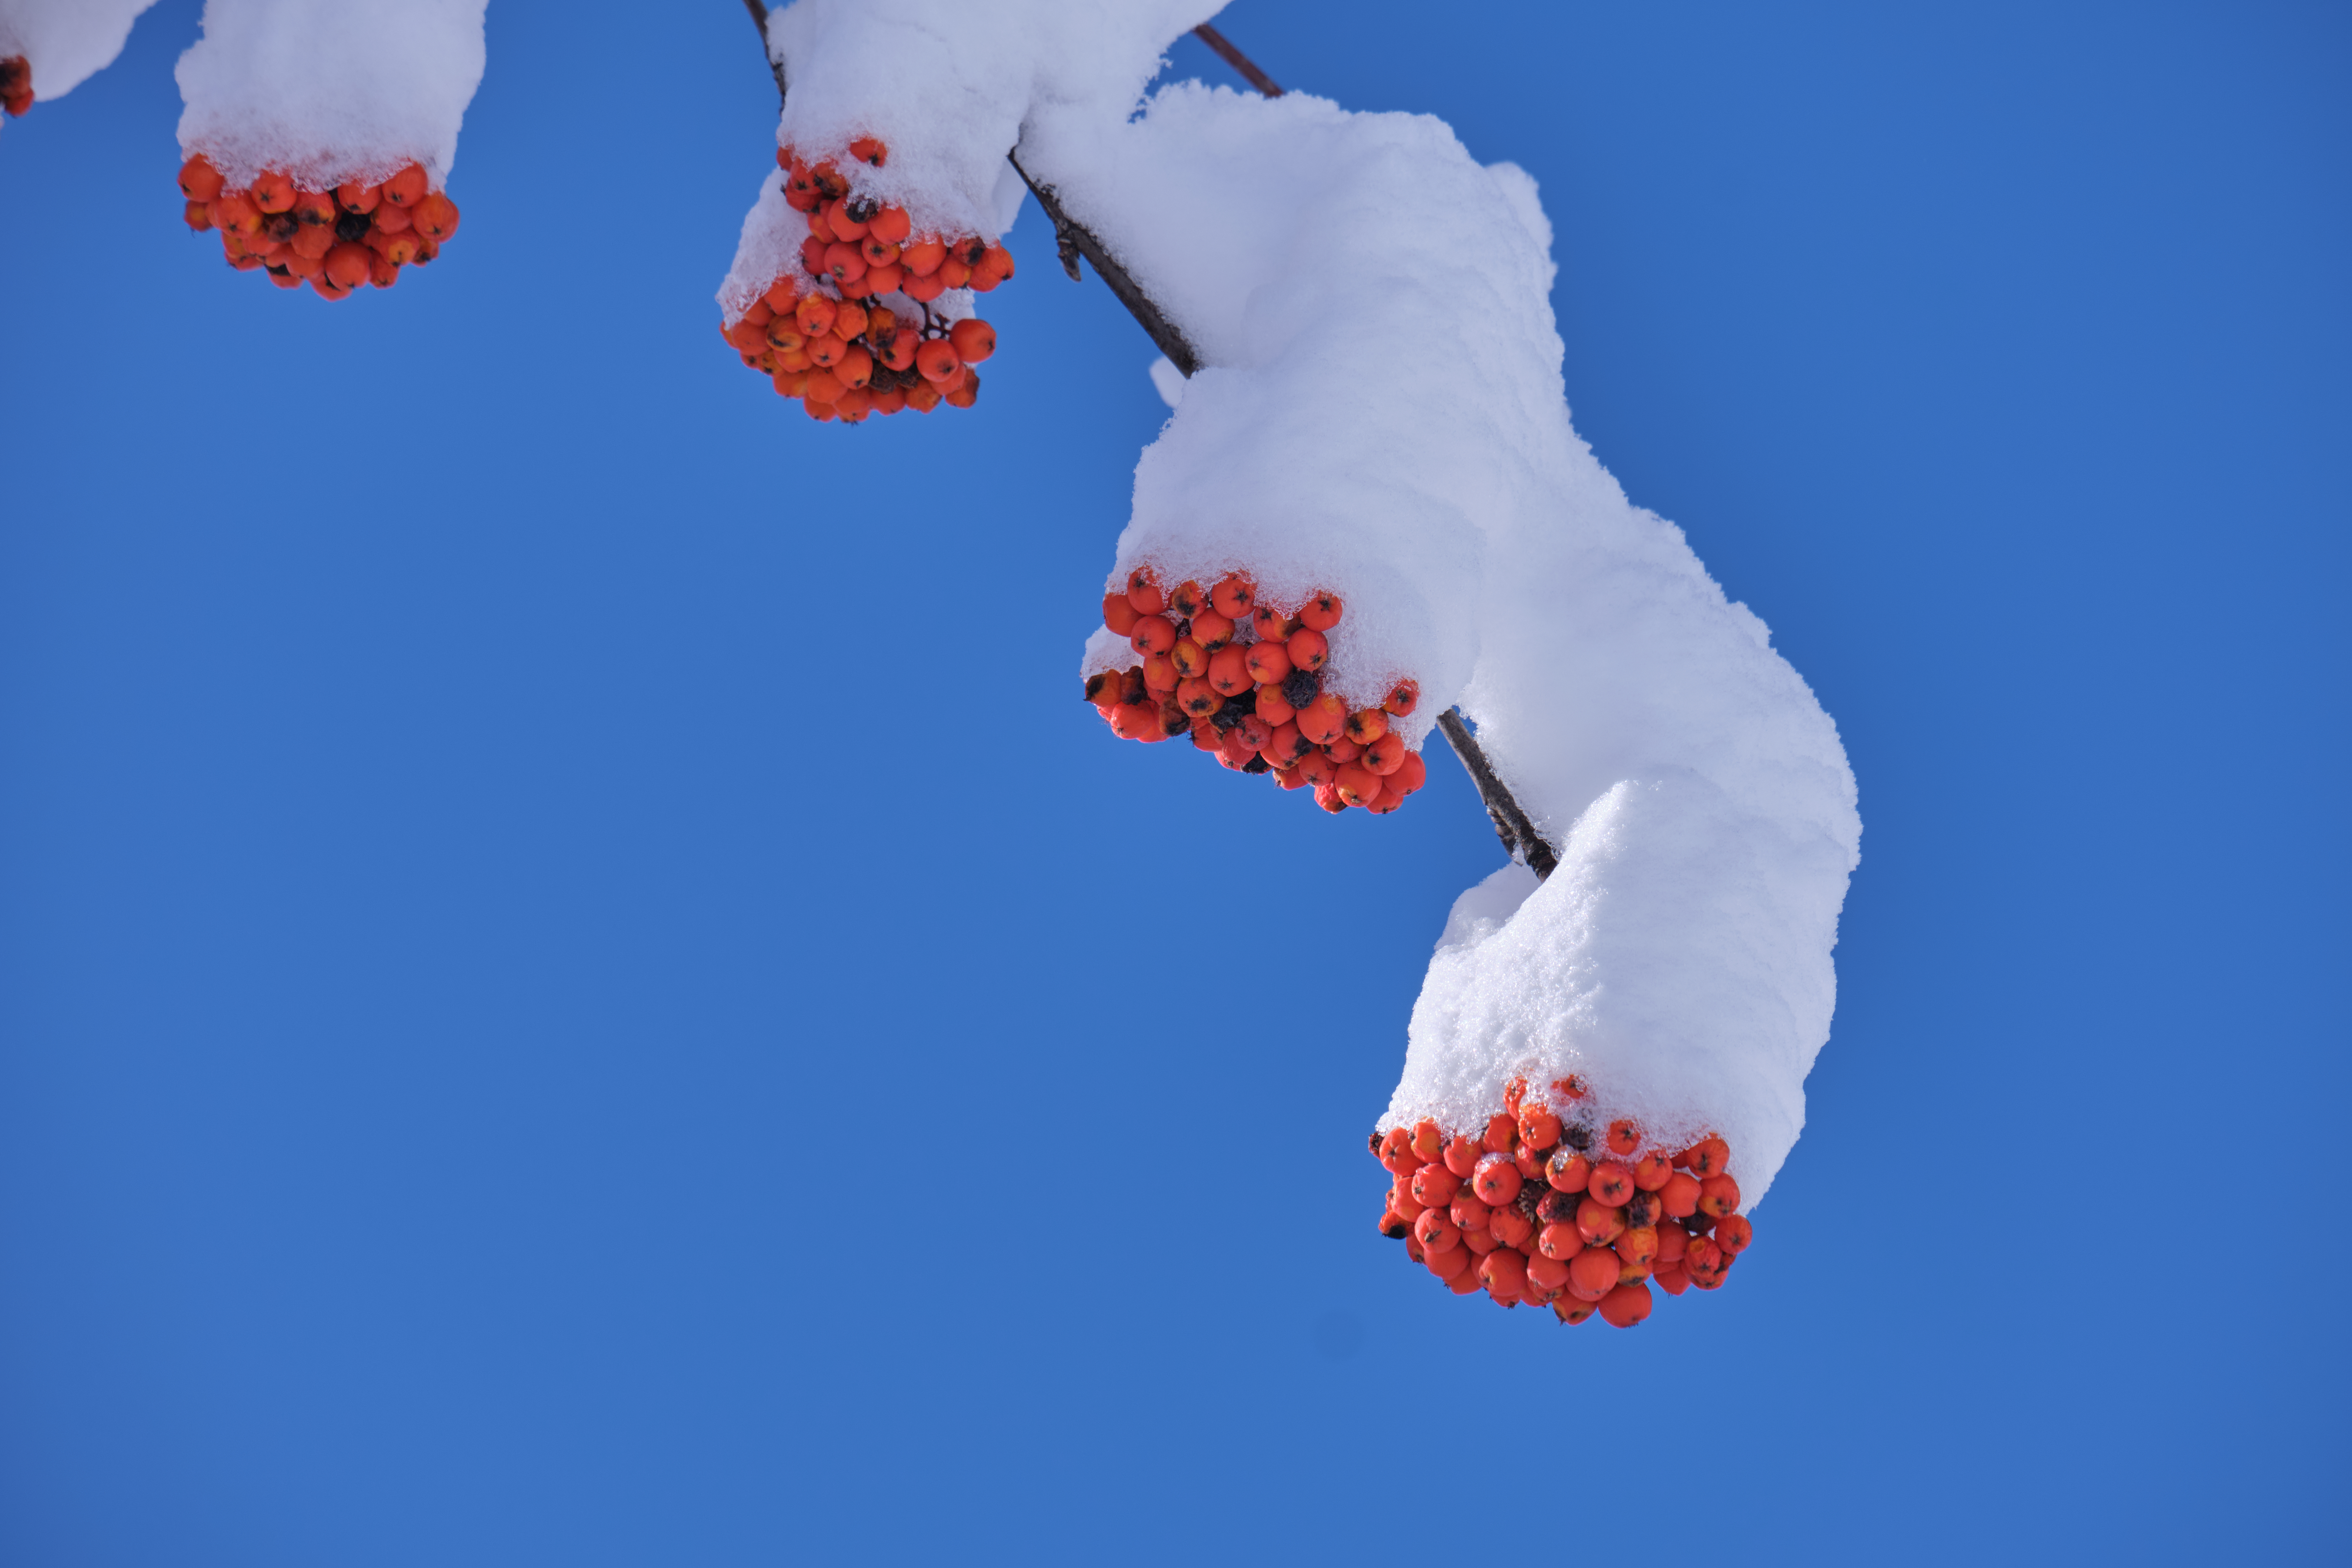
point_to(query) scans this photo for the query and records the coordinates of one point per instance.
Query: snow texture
(330, 90)
(1394, 427)
(66, 41)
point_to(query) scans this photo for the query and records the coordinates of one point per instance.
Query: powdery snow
(1381, 412)
(331, 90)
(66, 41)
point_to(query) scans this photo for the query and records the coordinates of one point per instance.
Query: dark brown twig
(1519, 834)
(775, 67)
(1238, 61)
(1074, 239)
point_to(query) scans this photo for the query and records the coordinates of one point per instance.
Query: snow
(330, 90)
(947, 87)
(1381, 411)
(66, 41)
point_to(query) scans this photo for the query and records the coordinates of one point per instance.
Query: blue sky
(480, 934)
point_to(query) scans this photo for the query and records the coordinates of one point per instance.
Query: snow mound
(66, 41)
(331, 90)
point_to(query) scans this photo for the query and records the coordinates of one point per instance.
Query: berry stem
(1519, 834)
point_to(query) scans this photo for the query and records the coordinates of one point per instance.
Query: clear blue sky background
(491, 903)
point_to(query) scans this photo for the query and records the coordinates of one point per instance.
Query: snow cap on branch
(331, 90)
(66, 42)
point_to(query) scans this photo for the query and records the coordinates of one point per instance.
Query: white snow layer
(1381, 412)
(66, 41)
(330, 90)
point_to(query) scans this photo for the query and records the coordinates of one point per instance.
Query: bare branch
(1238, 61)
(775, 67)
(1074, 239)
(1511, 825)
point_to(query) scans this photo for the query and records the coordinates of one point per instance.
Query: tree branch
(1236, 59)
(1519, 834)
(775, 67)
(1073, 240)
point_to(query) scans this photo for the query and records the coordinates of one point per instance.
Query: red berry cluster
(16, 84)
(825, 338)
(1245, 680)
(335, 240)
(1561, 1214)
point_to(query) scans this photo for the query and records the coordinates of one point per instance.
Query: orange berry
(1707, 1157)
(1192, 661)
(1702, 1257)
(1320, 613)
(1593, 1274)
(1624, 1137)
(1625, 1306)
(1610, 1183)
(1461, 1156)
(1233, 596)
(1435, 1231)
(922, 258)
(825, 352)
(954, 272)
(1567, 1171)
(1559, 1239)
(313, 243)
(1571, 1311)
(1498, 1181)
(406, 188)
(1450, 1264)
(823, 387)
(390, 219)
(1137, 721)
(1674, 1281)
(274, 192)
(780, 333)
(1508, 1225)
(1197, 699)
(890, 225)
(1152, 634)
(1718, 1196)
(1355, 784)
(814, 313)
(1385, 756)
(1547, 1274)
(233, 213)
(1652, 1171)
(436, 216)
(1308, 651)
(1189, 599)
(1367, 725)
(1395, 1151)
(1504, 1273)
(1538, 1127)
(1428, 1139)
(1274, 708)
(1735, 1233)
(856, 369)
(1467, 1213)
(1402, 698)
(1214, 630)
(1342, 750)
(922, 396)
(1318, 770)
(197, 215)
(1393, 1227)
(1119, 615)
(1600, 1224)
(1638, 1247)
(888, 279)
(1411, 774)
(1322, 720)
(843, 228)
(347, 265)
(1501, 1132)
(1433, 1186)
(1268, 662)
(1107, 688)
(938, 362)
(199, 181)
(974, 340)
(867, 149)
(1228, 671)
(843, 266)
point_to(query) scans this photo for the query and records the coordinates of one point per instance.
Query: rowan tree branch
(1519, 834)
(1073, 240)
(1236, 59)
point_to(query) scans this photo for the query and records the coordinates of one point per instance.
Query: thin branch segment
(1511, 824)
(1074, 237)
(1238, 61)
(775, 67)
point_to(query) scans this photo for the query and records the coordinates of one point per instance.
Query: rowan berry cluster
(1245, 680)
(1562, 1213)
(336, 240)
(827, 337)
(16, 84)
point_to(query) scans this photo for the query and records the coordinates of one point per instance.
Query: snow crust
(1381, 412)
(330, 90)
(66, 41)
